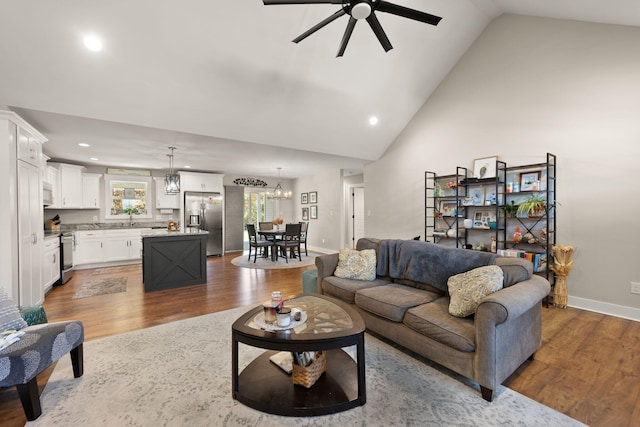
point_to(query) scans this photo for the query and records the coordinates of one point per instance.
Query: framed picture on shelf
(305, 214)
(485, 167)
(448, 207)
(530, 181)
(477, 196)
(314, 212)
(304, 198)
(313, 197)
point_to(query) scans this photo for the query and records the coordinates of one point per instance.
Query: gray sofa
(408, 303)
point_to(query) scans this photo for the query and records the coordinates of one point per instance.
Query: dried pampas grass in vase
(562, 265)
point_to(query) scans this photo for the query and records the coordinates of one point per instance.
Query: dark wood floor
(587, 368)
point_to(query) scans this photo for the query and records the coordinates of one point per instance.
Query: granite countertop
(166, 233)
(113, 225)
(50, 234)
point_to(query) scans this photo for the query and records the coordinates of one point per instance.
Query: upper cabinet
(70, 186)
(29, 148)
(91, 190)
(163, 200)
(193, 181)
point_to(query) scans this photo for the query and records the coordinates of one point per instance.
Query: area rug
(179, 374)
(117, 269)
(266, 263)
(92, 288)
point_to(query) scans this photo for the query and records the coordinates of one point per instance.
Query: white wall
(529, 86)
(325, 233)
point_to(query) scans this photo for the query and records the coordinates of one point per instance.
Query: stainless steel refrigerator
(204, 211)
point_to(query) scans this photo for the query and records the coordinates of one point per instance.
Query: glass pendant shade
(172, 179)
(279, 192)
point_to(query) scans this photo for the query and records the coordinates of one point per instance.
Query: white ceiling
(222, 81)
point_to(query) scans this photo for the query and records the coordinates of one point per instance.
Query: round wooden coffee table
(331, 325)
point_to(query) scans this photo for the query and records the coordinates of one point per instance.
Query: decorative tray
(259, 320)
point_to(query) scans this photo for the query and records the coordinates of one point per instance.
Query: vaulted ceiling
(222, 81)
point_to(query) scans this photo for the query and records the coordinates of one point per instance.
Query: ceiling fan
(360, 9)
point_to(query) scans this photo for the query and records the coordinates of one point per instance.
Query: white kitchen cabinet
(50, 261)
(89, 246)
(194, 181)
(21, 217)
(163, 200)
(50, 175)
(91, 190)
(69, 185)
(30, 234)
(29, 148)
(99, 246)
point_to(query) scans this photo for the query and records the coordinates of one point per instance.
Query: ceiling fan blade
(347, 36)
(405, 12)
(379, 32)
(270, 2)
(315, 28)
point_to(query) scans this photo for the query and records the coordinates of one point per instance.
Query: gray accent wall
(529, 86)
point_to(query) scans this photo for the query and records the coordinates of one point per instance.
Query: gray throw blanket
(427, 262)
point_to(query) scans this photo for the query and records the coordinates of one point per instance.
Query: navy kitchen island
(172, 259)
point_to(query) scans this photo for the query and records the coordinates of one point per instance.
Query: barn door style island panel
(171, 259)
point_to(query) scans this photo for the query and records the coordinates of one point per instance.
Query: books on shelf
(539, 260)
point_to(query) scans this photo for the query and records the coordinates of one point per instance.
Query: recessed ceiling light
(93, 158)
(187, 167)
(93, 43)
(373, 120)
(84, 144)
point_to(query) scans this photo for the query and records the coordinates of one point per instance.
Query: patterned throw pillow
(10, 318)
(467, 289)
(358, 265)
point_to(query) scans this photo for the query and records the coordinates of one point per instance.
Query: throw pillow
(467, 289)
(358, 265)
(10, 318)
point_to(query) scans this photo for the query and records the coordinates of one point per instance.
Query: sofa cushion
(357, 265)
(515, 269)
(345, 289)
(434, 321)
(10, 318)
(467, 289)
(392, 301)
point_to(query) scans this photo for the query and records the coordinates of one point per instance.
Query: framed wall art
(530, 181)
(304, 198)
(314, 212)
(485, 167)
(313, 197)
(448, 207)
(305, 214)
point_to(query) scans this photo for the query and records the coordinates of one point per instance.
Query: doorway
(257, 208)
(356, 215)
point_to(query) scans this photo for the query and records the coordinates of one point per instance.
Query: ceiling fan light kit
(358, 10)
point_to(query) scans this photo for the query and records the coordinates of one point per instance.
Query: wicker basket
(307, 376)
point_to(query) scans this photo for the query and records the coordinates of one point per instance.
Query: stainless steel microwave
(47, 194)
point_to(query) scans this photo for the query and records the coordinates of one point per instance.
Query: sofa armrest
(513, 301)
(508, 330)
(326, 265)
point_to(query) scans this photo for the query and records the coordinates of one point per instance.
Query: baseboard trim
(605, 308)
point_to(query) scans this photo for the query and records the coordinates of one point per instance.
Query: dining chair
(255, 243)
(304, 227)
(290, 240)
(265, 225)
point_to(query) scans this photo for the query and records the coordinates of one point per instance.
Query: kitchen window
(126, 196)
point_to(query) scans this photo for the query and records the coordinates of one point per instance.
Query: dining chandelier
(279, 192)
(172, 179)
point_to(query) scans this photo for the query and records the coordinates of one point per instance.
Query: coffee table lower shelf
(265, 387)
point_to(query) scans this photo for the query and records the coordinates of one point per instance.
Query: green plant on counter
(533, 206)
(131, 211)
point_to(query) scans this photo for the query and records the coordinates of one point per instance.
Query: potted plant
(510, 209)
(533, 206)
(131, 212)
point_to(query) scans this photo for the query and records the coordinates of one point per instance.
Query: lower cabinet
(50, 262)
(99, 246)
